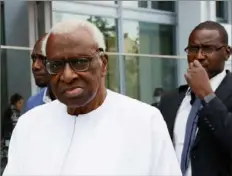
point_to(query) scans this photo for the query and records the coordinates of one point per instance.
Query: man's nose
(68, 74)
(200, 55)
(37, 64)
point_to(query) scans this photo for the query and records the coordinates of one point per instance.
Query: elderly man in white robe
(88, 130)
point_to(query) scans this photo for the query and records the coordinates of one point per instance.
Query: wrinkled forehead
(67, 45)
(204, 37)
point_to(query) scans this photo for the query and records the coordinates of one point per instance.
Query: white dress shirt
(121, 137)
(46, 97)
(182, 117)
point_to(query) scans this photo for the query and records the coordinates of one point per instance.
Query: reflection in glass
(163, 5)
(133, 4)
(144, 74)
(222, 10)
(4, 97)
(2, 24)
(15, 74)
(102, 2)
(108, 28)
(112, 77)
(60, 16)
(142, 4)
(159, 5)
(132, 77)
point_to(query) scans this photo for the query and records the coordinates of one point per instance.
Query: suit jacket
(211, 154)
(9, 121)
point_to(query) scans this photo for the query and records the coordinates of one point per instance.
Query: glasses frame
(68, 61)
(202, 52)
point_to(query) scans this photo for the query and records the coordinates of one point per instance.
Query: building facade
(145, 40)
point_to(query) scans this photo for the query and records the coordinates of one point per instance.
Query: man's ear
(228, 52)
(104, 59)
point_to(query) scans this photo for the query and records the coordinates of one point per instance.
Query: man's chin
(40, 84)
(76, 101)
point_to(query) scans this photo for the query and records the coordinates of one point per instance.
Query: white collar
(46, 97)
(216, 80)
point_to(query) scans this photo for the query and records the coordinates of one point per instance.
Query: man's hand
(198, 80)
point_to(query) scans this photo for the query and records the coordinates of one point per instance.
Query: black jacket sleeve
(218, 118)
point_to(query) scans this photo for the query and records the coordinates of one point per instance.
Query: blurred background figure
(9, 120)
(158, 92)
(41, 77)
(11, 114)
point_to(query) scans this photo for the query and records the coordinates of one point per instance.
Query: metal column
(121, 60)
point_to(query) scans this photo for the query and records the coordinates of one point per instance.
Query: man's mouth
(39, 74)
(73, 92)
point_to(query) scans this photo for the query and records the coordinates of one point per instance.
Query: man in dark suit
(198, 115)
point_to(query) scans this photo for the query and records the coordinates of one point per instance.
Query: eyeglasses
(206, 50)
(77, 64)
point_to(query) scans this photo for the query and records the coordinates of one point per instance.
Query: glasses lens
(209, 50)
(192, 50)
(54, 67)
(80, 64)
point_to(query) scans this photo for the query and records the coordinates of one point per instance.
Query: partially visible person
(41, 77)
(89, 130)
(11, 115)
(199, 114)
(157, 96)
(8, 122)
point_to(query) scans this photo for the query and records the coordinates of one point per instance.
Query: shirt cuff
(209, 97)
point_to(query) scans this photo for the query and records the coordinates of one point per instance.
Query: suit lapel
(225, 88)
(175, 107)
(222, 92)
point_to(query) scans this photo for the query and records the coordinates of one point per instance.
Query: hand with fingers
(198, 80)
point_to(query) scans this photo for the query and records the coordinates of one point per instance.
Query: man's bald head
(38, 45)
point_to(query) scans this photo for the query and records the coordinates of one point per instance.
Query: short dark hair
(15, 98)
(212, 25)
(158, 91)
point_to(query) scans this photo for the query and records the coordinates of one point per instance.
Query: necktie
(190, 133)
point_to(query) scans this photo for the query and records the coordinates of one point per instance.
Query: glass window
(163, 5)
(144, 74)
(108, 28)
(16, 27)
(133, 4)
(40, 15)
(222, 11)
(16, 65)
(2, 24)
(142, 4)
(101, 2)
(4, 97)
(159, 5)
